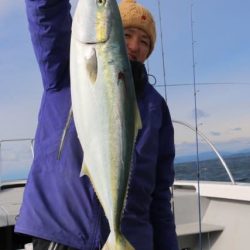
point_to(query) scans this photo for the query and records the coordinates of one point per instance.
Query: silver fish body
(104, 106)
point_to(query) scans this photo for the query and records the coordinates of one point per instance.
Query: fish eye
(101, 2)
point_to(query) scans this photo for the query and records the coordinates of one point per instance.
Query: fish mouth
(94, 43)
(92, 22)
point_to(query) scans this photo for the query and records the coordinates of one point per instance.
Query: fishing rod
(162, 52)
(164, 85)
(196, 125)
(195, 107)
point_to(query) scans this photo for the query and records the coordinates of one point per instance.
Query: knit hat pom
(135, 15)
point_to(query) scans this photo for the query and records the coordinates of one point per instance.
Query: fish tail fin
(117, 242)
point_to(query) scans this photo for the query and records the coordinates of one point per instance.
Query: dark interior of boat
(12, 241)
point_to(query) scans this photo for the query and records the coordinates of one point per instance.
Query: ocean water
(212, 170)
(16, 159)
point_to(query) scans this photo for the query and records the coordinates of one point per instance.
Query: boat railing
(212, 146)
(205, 138)
(31, 140)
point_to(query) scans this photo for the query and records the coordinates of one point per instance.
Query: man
(60, 209)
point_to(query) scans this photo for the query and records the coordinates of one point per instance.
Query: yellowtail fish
(104, 107)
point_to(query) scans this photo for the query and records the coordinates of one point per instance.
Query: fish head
(93, 20)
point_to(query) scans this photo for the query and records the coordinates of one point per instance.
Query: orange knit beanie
(135, 15)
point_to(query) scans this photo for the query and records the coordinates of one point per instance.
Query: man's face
(138, 44)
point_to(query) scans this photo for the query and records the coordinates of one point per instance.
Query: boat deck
(10, 200)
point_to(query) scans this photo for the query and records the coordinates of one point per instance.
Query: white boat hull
(225, 215)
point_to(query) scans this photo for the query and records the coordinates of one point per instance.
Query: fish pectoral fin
(91, 65)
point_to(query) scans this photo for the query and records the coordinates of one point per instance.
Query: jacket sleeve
(50, 29)
(161, 214)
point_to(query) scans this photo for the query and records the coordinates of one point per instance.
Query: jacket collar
(140, 76)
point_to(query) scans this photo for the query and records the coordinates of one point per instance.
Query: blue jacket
(60, 206)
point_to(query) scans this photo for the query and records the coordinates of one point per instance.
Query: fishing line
(204, 83)
(196, 127)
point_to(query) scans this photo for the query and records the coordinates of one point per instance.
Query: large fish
(104, 106)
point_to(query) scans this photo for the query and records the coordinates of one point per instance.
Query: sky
(221, 48)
